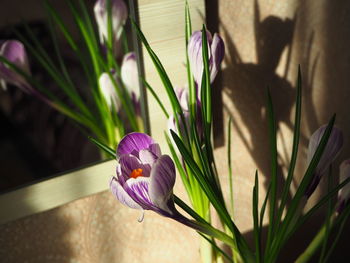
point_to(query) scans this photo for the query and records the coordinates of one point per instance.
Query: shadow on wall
(317, 38)
(248, 84)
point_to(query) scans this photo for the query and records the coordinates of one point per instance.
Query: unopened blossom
(15, 53)
(119, 15)
(130, 77)
(331, 151)
(108, 91)
(216, 51)
(182, 95)
(344, 193)
(144, 177)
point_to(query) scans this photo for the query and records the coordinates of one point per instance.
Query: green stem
(315, 243)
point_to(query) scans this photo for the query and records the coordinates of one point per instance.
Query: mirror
(37, 141)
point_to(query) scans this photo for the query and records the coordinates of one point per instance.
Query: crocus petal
(162, 182)
(119, 192)
(183, 97)
(155, 149)
(138, 189)
(331, 151)
(129, 162)
(344, 193)
(119, 16)
(195, 55)
(217, 53)
(130, 74)
(147, 157)
(134, 142)
(108, 91)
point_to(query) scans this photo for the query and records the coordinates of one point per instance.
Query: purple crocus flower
(344, 193)
(15, 53)
(216, 51)
(145, 178)
(331, 151)
(119, 16)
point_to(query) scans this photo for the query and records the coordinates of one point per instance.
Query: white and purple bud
(119, 15)
(182, 95)
(15, 53)
(331, 151)
(216, 52)
(130, 74)
(344, 193)
(108, 91)
(130, 77)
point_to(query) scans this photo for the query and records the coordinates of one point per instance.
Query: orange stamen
(136, 173)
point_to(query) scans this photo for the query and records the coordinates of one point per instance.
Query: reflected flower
(15, 53)
(119, 16)
(130, 77)
(108, 91)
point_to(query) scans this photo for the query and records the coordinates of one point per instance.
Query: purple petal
(331, 151)
(217, 53)
(129, 162)
(155, 149)
(162, 182)
(147, 157)
(119, 192)
(138, 189)
(133, 143)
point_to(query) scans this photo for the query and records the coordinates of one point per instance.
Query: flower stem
(315, 243)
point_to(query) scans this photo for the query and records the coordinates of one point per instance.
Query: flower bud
(108, 91)
(344, 193)
(15, 53)
(216, 51)
(119, 14)
(332, 149)
(130, 74)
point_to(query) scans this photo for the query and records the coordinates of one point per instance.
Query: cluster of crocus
(191, 147)
(216, 51)
(113, 107)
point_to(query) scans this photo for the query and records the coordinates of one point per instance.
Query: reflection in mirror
(68, 71)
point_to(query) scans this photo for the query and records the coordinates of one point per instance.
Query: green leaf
(295, 203)
(230, 164)
(104, 147)
(218, 249)
(297, 120)
(274, 164)
(257, 230)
